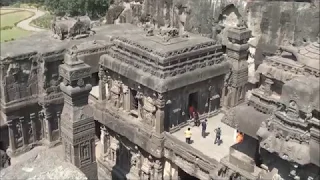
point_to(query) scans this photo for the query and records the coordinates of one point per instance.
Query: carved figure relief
(147, 168)
(149, 110)
(18, 134)
(136, 161)
(84, 150)
(116, 92)
(293, 110)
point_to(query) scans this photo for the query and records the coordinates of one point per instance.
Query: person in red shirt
(191, 110)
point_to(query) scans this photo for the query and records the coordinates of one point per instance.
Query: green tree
(92, 8)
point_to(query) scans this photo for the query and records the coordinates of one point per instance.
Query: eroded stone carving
(68, 27)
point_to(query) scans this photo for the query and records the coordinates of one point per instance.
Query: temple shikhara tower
(114, 101)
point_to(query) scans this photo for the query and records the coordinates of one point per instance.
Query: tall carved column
(12, 139)
(237, 51)
(160, 114)
(34, 126)
(102, 84)
(77, 123)
(24, 132)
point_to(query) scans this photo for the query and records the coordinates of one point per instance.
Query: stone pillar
(126, 98)
(23, 131)
(237, 51)
(102, 84)
(47, 121)
(59, 123)
(267, 86)
(34, 126)
(12, 139)
(76, 87)
(160, 114)
(104, 141)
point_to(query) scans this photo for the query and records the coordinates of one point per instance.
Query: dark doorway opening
(135, 101)
(185, 176)
(97, 129)
(193, 100)
(95, 79)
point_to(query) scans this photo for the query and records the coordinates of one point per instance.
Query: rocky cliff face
(273, 23)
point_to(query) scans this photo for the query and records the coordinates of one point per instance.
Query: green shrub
(16, 5)
(6, 28)
(43, 21)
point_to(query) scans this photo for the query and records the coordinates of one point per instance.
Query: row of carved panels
(171, 73)
(179, 62)
(149, 57)
(169, 54)
(292, 69)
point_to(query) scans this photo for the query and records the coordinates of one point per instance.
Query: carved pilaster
(102, 84)
(160, 114)
(105, 141)
(47, 122)
(24, 131)
(34, 126)
(12, 139)
(126, 98)
(59, 123)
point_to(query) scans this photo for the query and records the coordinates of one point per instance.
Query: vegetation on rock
(8, 22)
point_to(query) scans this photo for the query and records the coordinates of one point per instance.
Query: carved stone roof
(310, 55)
(304, 91)
(156, 46)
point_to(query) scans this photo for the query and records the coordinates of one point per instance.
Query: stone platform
(206, 145)
(42, 163)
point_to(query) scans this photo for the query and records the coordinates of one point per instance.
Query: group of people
(195, 116)
(217, 131)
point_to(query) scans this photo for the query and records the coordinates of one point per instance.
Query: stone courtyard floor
(206, 145)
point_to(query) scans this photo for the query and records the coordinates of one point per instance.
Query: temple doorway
(192, 103)
(193, 100)
(185, 176)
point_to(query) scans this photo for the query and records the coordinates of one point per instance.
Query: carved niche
(18, 83)
(149, 110)
(113, 150)
(85, 151)
(18, 134)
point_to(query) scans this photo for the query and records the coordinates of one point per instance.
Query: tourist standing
(204, 127)
(218, 136)
(188, 134)
(239, 137)
(196, 118)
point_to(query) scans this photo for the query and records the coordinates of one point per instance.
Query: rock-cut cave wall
(272, 23)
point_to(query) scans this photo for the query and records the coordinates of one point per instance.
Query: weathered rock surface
(42, 164)
(273, 23)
